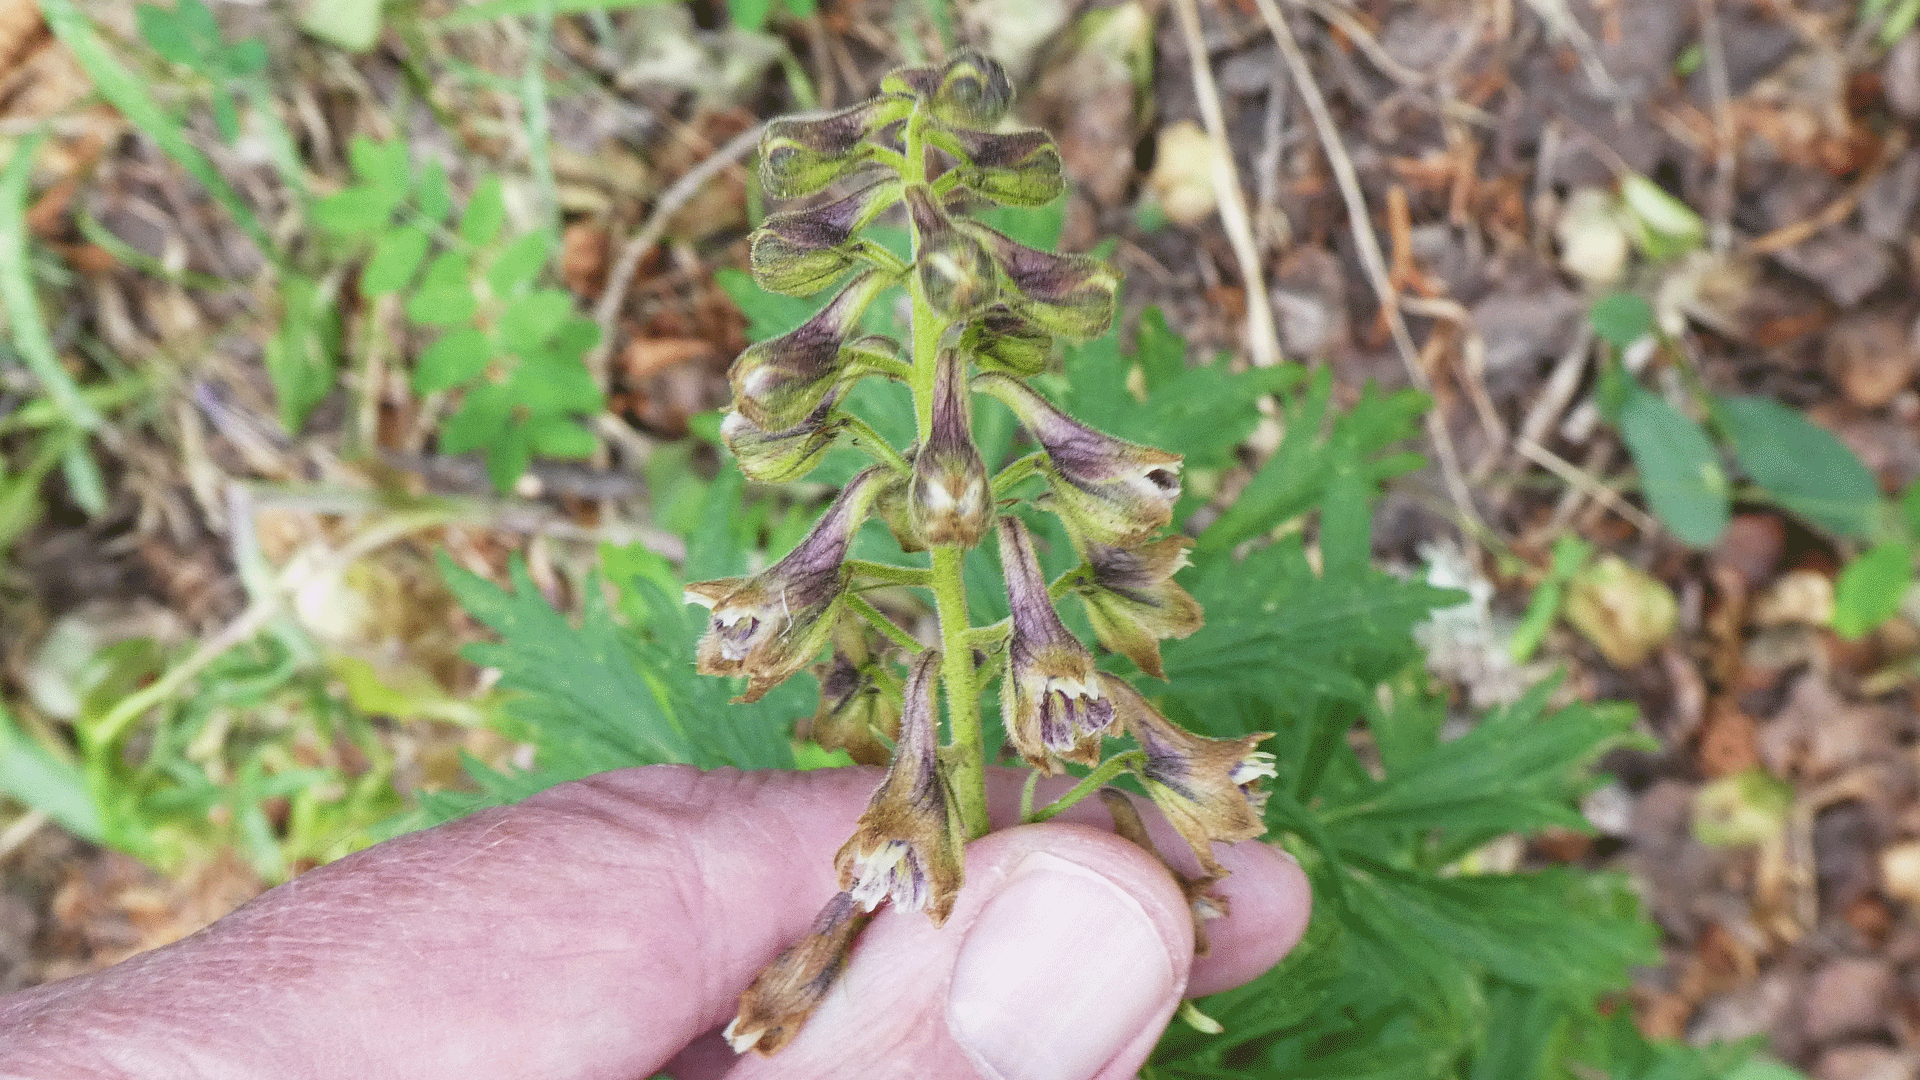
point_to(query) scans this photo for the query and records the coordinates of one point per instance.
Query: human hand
(605, 929)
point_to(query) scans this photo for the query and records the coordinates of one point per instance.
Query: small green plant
(514, 351)
(187, 35)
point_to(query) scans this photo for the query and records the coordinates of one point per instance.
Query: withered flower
(1069, 295)
(1109, 490)
(1207, 788)
(1050, 697)
(772, 624)
(787, 991)
(800, 252)
(779, 382)
(855, 709)
(1014, 168)
(1000, 340)
(775, 457)
(906, 847)
(950, 499)
(1132, 600)
(799, 155)
(956, 275)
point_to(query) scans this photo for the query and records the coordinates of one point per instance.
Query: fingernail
(1060, 972)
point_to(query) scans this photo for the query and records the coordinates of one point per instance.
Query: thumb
(1065, 956)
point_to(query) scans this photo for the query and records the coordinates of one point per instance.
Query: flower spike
(1109, 490)
(781, 381)
(772, 624)
(800, 252)
(906, 847)
(787, 991)
(1050, 696)
(1206, 788)
(950, 500)
(1132, 600)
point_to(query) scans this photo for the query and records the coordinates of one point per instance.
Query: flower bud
(772, 624)
(780, 382)
(999, 340)
(1132, 600)
(1017, 168)
(974, 91)
(1206, 788)
(1050, 698)
(787, 991)
(780, 456)
(956, 275)
(800, 252)
(891, 507)
(799, 155)
(855, 711)
(906, 846)
(950, 499)
(1068, 295)
(1107, 489)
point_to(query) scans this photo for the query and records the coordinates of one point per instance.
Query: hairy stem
(877, 619)
(876, 447)
(966, 752)
(1093, 782)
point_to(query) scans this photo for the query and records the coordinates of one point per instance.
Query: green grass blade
(124, 91)
(43, 782)
(29, 327)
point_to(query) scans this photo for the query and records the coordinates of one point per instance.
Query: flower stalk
(983, 315)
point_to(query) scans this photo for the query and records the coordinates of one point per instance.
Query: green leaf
(458, 356)
(486, 213)
(37, 779)
(768, 314)
(170, 35)
(750, 14)
(303, 357)
(442, 305)
(226, 116)
(435, 198)
(1801, 464)
(546, 385)
(382, 164)
(28, 326)
(353, 25)
(519, 264)
(508, 456)
(396, 257)
(1680, 472)
(1621, 318)
(483, 415)
(84, 482)
(560, 437)
(1871, 587)
(529, 322)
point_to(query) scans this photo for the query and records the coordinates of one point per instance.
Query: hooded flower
(1000, 340)
(855, 710)
(1050, 696)
(1132, 600)
(956, 276)
(1109, 490)
(950, 499)
(772, 624)
(906, 846)
(972, 89)
(1204, 787)
(779, 382)
(800, 252)
(1014, 168)
(787, 991)
(776, 457)
(1069, 295)
(799, 155)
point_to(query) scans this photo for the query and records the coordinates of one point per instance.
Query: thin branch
(1263, 341)
(1371, 256)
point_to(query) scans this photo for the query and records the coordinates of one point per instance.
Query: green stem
(1093, 782)
(891, 574)
(988, 638)
(1004, 480)
(876, 447)
(877, 619)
